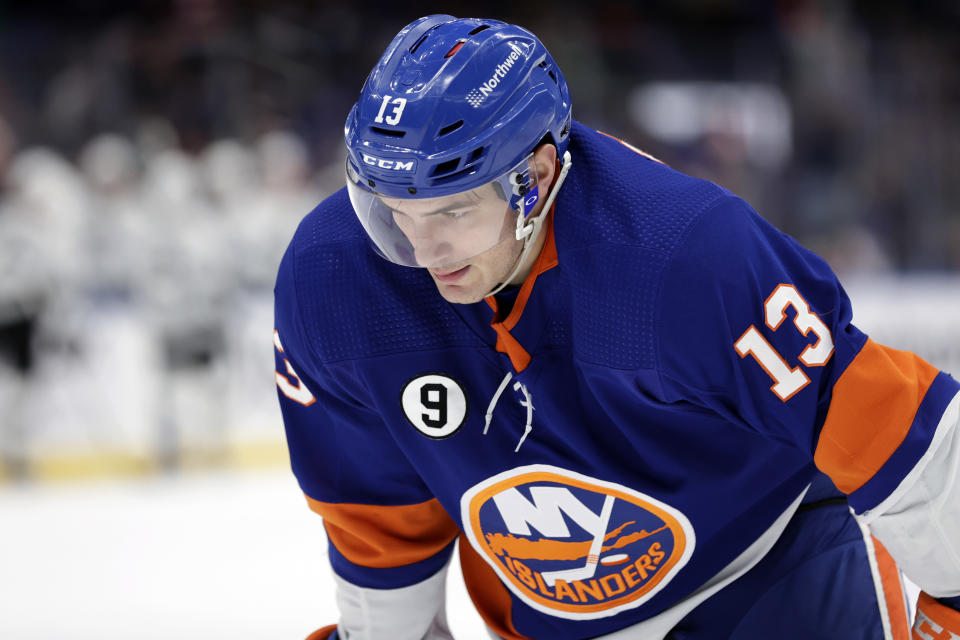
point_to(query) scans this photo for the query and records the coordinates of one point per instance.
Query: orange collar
(506, 343)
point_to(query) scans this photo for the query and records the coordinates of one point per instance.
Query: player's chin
(465, 293)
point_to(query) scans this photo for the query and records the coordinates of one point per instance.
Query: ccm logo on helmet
(383, 163)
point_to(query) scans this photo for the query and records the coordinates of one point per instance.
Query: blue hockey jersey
(630, 426)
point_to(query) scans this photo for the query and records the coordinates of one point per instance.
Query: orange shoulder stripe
(633, 148)
(874, 403)
(385, 537)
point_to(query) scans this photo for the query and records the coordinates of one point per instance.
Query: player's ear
(545, 159)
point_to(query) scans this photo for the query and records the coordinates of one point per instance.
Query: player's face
(451, 236)
(451, 229)
(471, 282)
(466, 241)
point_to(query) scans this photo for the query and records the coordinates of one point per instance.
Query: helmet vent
(454, 176)
(388, 132)
(445, 167)
(416, 45)
(454, 49)
(543, 65)
(450, 128)
(479, 29)
(474, 155)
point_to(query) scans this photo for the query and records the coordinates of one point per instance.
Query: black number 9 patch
(434, 404)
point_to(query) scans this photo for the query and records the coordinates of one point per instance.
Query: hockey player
(644, 411)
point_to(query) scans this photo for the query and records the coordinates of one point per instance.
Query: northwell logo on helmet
(477, 96)
(384, 163)
(572, 546)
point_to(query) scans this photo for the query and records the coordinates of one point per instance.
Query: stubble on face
(483, 273)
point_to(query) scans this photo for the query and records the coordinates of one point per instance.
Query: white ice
(226, 555)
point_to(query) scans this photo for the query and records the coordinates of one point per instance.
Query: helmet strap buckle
(525, 228)
(529, 231)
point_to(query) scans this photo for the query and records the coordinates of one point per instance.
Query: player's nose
(432, 242)
(431, 250)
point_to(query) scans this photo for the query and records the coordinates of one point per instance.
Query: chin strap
(528, 230)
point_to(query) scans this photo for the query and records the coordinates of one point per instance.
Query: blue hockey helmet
(453, 105)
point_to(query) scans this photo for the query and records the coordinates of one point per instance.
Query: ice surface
(224, 555)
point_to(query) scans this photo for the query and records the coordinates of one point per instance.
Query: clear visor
(447, 230)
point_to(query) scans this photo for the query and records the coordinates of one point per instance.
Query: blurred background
(156, 156)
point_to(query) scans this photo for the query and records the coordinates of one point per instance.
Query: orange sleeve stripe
(386, 537)
(892, 592)
(874, 403)
(322, 634)
(488, 594)
(929, 610)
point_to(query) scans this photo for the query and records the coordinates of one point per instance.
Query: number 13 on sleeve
(787, 381)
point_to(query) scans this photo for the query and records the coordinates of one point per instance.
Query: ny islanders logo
(572, 546)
